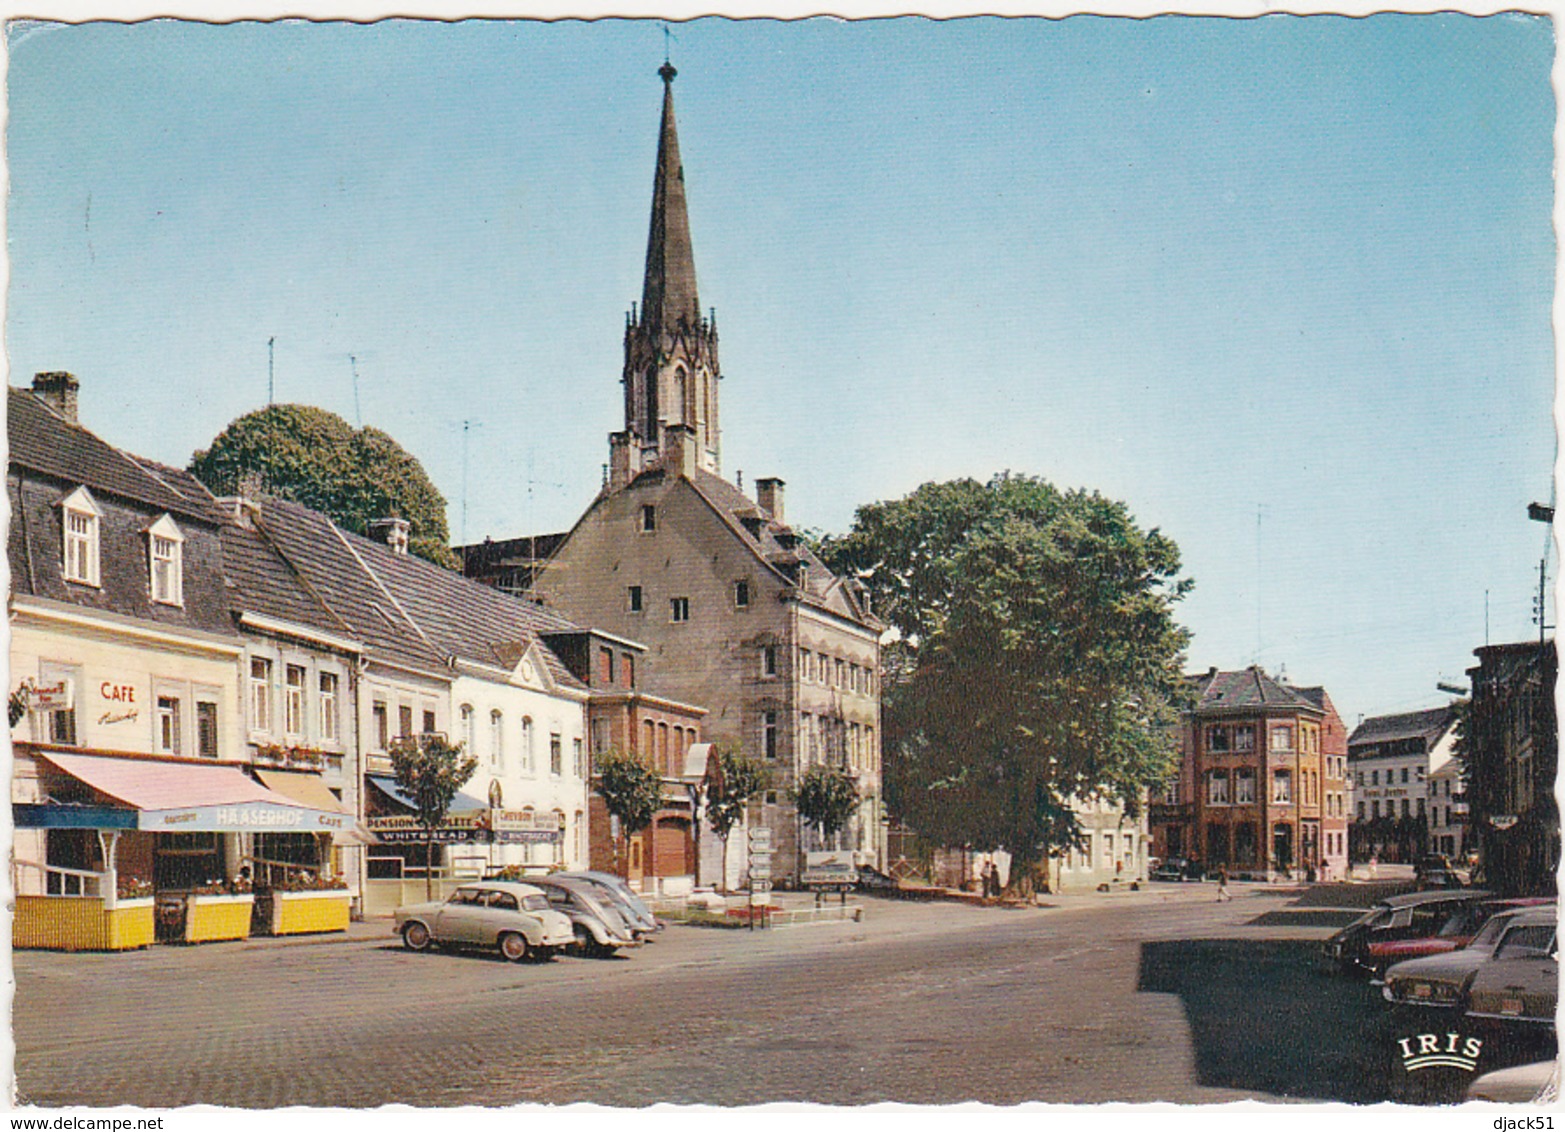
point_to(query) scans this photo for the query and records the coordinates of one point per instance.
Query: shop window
(260, 694)
(166, 725)
(329, 730)
(81, 526)
(293, 699)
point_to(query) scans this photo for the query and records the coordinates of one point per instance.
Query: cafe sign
(49, 695)
(251, 817)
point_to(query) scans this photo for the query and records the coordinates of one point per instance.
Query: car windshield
(1490, 935)
(1525, 938)
(535, 903)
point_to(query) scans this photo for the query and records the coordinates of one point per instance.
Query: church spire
(668, 293)
(671, 373)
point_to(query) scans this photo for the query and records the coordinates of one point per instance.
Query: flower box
(82, 923)
(323, 910)
(209, 918)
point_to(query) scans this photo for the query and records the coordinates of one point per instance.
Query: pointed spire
(669, 290)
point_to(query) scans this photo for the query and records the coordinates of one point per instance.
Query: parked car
(1519, 985)
(515, 918)
(632, 909)
(1177, 869)
(1537, 1083)
(597, 927)
(1455, 933)
(1410, 916)
(872, 879)
(1441, 980)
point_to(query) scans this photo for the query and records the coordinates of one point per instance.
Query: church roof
(668, 293)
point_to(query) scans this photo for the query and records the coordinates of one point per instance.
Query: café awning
(463, 803)
(176, 796)
(308, 789)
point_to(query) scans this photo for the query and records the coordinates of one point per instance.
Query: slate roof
(1407, 725)
(43, 441)
(261, 581)
(1248, 687)
(779, 546)
(402, 606)
(49, 458)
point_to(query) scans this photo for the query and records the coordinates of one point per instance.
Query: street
(1163, 995)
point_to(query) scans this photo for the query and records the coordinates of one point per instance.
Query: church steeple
(671, 371)
(669, 292)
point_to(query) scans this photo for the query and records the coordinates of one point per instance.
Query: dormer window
(165, 545)
(80, 516)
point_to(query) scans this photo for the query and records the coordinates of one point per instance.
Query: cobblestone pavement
(1159, 995)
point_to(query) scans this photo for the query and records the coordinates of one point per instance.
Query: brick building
(1262, 786)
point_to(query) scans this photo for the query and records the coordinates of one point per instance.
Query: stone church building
(736, 612)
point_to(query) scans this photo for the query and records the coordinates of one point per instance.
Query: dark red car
(1456, 930)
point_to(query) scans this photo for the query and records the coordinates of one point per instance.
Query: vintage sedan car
(598, 929)
(1410, 916)
(1519, 986)
(1176, 869)
(632, 909)
(1440, 981)
(515, 918)
(1457, 931)
(1534, 1083)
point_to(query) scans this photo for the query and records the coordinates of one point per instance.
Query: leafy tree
(728, 796)
(631, 791)
(316, 458)
(430, 770)
(826, 798)
(1038, 662)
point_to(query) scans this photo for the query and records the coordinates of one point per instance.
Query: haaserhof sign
(252, 817)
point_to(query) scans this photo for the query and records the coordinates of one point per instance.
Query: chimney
(58, 391)
(681, 452)
(622, 460)
(769, 494)
(245, 504)
(394, 531)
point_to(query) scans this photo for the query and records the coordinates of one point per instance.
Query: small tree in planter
(430, 770)
(631, 791)
(826, 798)
(729, 795)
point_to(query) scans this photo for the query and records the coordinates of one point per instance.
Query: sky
(1281, 284)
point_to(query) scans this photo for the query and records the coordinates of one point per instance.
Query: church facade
(736, 612)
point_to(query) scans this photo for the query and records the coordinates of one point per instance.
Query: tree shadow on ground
(1266, 1017)
(1269, 1017)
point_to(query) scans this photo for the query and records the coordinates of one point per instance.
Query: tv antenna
(271, 377)
(358, 417)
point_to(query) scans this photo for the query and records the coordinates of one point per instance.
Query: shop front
(118, 851)
(406, 863)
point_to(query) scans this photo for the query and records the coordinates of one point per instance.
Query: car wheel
(584, 941)
(415, 936)
(513, 945)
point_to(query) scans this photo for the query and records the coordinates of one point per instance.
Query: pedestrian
(1222, 886)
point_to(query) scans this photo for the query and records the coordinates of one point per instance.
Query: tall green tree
(316, 458)
(826, 798)
(430, 770)
(631, 791)
(728, 795)
(1039, 660)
